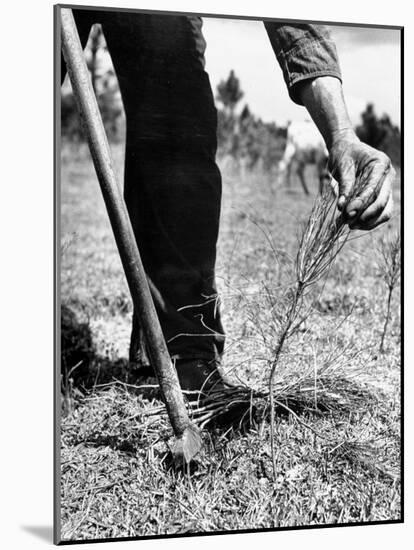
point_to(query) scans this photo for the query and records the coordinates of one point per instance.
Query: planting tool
(187, 441)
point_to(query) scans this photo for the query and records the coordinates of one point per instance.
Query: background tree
(381, 133)
(244, 138)
(106, 88)
(96, 43)
(229, 92)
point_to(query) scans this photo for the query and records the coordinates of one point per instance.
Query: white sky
(369, 59)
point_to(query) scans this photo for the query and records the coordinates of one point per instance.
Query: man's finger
(371, 183)
(375, 209)
(371, 224)
(344, 173)
(334, 186)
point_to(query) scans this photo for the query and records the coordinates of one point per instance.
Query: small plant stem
(387, 317)
(284, 333)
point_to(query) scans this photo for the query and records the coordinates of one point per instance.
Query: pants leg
(172, 183)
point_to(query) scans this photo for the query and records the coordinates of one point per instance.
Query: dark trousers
(172, 183)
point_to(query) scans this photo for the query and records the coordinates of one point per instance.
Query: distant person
(173, 184)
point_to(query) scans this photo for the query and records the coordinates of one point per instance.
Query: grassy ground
(337, 442)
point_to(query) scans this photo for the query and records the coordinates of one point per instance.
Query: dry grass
(336, 429)
(390, 268)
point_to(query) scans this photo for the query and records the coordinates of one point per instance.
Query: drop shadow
(42, 532)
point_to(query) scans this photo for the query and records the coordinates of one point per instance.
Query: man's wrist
(323, 98)
(342, 134)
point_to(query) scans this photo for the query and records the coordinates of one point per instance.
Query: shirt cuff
(308, 59)
(294, 89)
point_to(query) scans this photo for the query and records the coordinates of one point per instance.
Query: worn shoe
(203, 382)
(200, 376)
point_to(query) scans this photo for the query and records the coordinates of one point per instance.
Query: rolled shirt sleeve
(303, 52)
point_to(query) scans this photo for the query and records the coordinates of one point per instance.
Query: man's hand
(365, 177)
